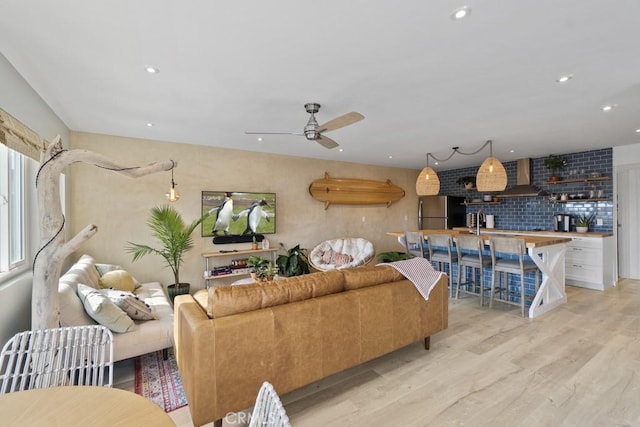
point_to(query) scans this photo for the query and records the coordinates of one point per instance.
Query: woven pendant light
(428, 183)
(491, 176)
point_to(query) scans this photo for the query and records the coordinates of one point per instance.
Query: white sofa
(147, 335)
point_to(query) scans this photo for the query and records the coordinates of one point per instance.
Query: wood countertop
(490, 231)
(531, 241)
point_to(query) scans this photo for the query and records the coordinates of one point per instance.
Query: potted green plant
(174, 235)
(256, 264)
(294, 263)
(583, 222)
(554, 163)
(392, 256)
(469, 182)
(267, 272)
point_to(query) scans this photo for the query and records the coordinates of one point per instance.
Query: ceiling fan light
(428, 183)
(491, 176)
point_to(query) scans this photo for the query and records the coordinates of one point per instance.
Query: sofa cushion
(103, 311)
(72, 312)
(130, 304)
(105, 268)
(228, 300)
(118, 279)
(83, 271)
(362, 277)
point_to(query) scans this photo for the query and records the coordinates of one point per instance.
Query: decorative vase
(254, 246)
(554, 178)
(179, 289)
(582, 229)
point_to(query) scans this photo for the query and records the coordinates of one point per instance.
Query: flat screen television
(238, 213)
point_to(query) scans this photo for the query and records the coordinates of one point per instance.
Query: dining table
(547, 252)
(80, 406)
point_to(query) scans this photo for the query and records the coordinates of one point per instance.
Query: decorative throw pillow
(130, 304)
(332, 257)
(105, 268)
(103, 311)
(341, 259)
(117, 279)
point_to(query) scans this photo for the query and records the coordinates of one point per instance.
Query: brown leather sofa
(295, 331)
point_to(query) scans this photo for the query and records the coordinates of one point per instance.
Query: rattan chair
(338, 254)
(268, 410)
(507, 256)
(79, 355)
(440, 252)
(470, 255)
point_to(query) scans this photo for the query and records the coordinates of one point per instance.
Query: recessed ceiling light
(564, 79)
(151, 70)
(391, 157)
(259, 138)
(150, 125)
(637, 130)
(609, 107)
(341, 150)
(512, 151)
(461, 12)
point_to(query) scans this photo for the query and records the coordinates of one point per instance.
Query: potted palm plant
(174, 235)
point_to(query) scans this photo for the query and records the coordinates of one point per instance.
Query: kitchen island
(590, 259)
(547, 252)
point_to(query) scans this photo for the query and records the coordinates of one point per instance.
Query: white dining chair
(78, 355)
(268, 410)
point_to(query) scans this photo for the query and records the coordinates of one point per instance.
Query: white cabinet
(590, 262)
(221, 260)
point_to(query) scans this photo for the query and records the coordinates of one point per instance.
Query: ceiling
(423, 81)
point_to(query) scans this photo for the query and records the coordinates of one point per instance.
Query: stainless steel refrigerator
(441, 212)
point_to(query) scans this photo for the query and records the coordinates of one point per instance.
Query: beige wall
(119, 206)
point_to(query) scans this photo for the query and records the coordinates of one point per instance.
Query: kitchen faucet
(478, 219)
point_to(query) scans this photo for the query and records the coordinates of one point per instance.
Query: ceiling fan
(313, 132)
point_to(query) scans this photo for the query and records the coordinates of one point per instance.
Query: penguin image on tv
(254, 214)
(224, 213)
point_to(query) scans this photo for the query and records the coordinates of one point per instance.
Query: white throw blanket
(420, 272)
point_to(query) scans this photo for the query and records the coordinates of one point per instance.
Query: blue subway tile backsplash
(536, 212)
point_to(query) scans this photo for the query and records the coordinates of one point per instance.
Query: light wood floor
(578, 365)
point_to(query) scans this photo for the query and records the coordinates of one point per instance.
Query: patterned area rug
(159, 381)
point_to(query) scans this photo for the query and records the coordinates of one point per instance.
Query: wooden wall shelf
(481, 203)
(603, 199)
(568, 181)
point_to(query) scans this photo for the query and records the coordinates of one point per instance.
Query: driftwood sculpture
(54, 249)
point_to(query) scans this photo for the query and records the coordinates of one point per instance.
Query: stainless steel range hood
(523, 186)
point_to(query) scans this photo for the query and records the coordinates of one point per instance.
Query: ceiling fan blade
(326, 142)
(273, 133)
(342, 121)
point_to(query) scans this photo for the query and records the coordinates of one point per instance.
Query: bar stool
(472, 258)
(440, 252)
(512, 260)
(414, 242)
